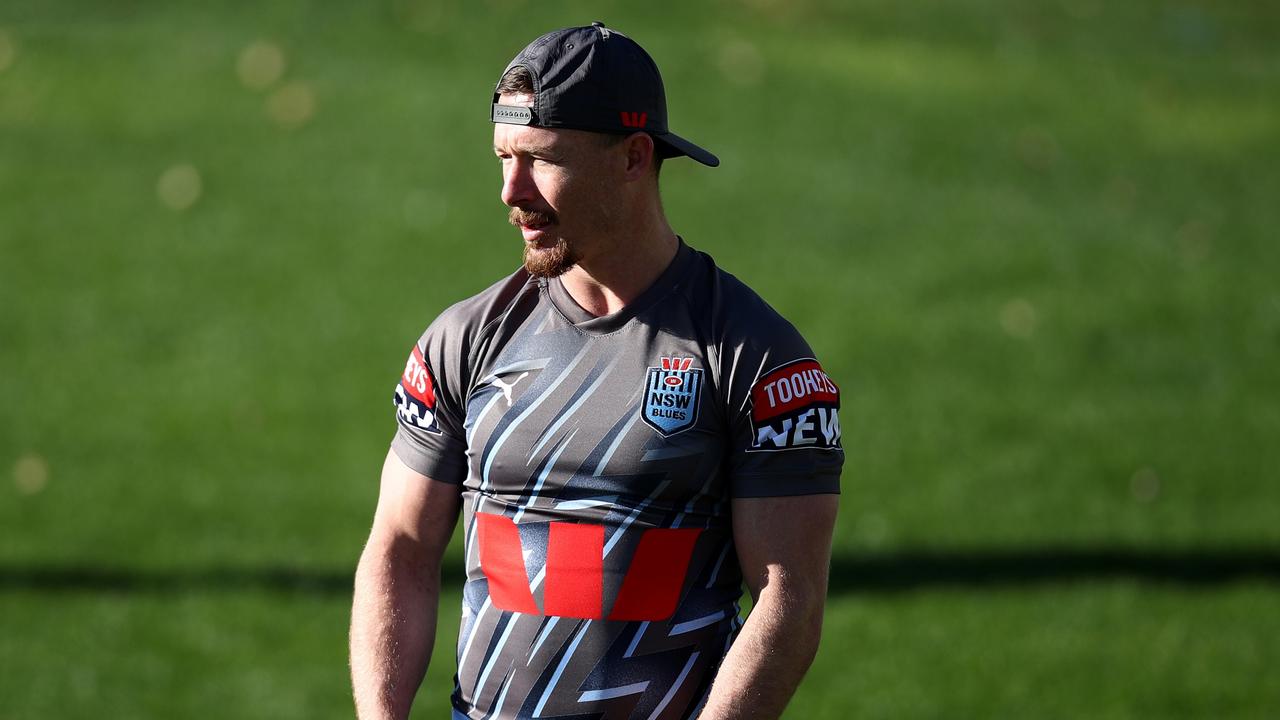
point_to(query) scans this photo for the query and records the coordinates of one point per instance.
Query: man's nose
(517, 183)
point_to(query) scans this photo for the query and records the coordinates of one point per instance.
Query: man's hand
(397, 593)
(784, 547)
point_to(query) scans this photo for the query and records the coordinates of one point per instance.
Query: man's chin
(548, 261)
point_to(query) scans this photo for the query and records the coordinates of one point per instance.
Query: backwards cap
(594, 78)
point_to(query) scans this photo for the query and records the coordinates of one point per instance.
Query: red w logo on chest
(574, 584)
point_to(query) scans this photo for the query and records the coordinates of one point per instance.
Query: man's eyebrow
(530, 150)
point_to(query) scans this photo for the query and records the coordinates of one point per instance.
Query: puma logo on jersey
(506, 388)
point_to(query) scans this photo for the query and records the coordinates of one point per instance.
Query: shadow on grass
(924, 569)
(850, 574)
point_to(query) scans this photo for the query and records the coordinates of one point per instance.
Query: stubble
(540, 260)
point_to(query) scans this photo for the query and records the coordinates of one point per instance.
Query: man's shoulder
(733, 311)
(472, 315)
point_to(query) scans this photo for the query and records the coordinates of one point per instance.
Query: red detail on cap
(651, 589)
(575, 571)
(791, 387)
(634, 119)
(502, 563)
(417, 380)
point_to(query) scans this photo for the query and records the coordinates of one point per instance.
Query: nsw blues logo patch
(672, 393)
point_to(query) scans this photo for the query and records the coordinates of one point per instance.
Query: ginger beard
(541, 260)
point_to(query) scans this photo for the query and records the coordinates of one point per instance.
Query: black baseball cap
(595, 78)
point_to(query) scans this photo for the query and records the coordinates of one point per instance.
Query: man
(629, 433)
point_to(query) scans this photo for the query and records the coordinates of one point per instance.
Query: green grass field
(1034, 242)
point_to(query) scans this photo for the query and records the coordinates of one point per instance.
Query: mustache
(518, 216)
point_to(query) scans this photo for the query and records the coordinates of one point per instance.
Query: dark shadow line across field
(925, 569)
(850, 574)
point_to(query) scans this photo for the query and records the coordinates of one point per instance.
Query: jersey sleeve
(431, 397)
(430, 404)
(783, 416)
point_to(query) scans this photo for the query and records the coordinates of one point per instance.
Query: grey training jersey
(596, 459)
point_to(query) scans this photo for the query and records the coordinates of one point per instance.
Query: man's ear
(640, 155)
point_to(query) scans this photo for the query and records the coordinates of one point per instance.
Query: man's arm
(397, 592)
(784, 547)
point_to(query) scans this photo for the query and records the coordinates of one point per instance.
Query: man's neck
(607, 282)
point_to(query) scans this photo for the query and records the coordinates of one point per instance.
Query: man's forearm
(393, 626)
(767, 660)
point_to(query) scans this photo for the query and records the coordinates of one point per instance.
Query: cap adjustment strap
(513, 115)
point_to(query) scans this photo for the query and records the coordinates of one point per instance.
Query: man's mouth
(536, 237)
(532, 224)
(530, 220)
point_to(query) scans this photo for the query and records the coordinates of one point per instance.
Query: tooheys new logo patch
(416, 395)
(671, 395)
(795, 406)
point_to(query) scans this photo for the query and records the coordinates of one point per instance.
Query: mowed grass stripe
(1119, 650)
(1035, 288)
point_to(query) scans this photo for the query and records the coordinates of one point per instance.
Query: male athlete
(628, 432)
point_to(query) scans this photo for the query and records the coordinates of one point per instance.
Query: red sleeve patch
(795, 406)
(417, 380)
(416, 394)
(791, 387)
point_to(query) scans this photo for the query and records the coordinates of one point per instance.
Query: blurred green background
(1035, 242)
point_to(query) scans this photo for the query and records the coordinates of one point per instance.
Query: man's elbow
(809, 627)
(397, 558)
(799, 609)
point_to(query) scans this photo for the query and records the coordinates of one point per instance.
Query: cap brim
(676, 145)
